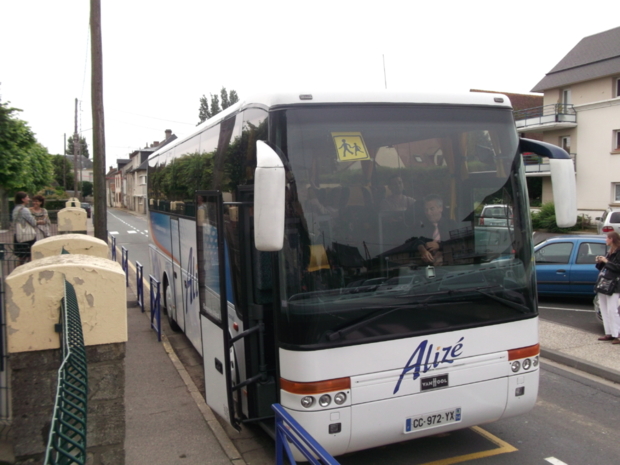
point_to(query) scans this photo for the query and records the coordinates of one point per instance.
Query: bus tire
(168, 298)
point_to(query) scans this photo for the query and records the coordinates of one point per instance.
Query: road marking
(113, 233)
(502, 448)
(567, 309)
(132, 232)
(555, 461)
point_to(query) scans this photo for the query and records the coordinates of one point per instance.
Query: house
(581, 113)
(131, 185)
(110, 183)
(120, 184)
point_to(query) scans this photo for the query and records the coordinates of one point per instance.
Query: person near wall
(609, 266)
(25, 228)
(41, 216)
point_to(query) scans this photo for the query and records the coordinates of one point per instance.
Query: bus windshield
(384, 237)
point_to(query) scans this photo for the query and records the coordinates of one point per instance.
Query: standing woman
(610, 266)
(25, 227)
(41, 216)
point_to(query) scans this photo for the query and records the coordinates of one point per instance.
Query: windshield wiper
(369, 317)
(372, 316)
(508, 303)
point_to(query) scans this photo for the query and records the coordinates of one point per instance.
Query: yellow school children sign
(350, 146)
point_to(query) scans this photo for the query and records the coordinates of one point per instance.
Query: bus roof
(275, 100)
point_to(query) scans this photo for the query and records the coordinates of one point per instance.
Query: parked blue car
(565, 264)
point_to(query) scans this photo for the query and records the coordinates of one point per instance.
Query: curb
(583, 365)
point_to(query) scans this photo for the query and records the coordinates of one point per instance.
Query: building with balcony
(581, 113)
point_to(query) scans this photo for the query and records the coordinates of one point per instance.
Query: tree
(83, 149)
(63, 170)
(207, 110)
(87, 188)
(26, 164)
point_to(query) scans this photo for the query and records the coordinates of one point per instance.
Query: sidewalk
(163, 422)
(579, 349)
(166, 419)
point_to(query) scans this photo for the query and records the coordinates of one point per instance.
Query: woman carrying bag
(608, 288)
(25, 227)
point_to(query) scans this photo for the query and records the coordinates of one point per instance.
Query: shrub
(545, 219)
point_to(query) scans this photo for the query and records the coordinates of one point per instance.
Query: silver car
(609, 222)
(496, 215)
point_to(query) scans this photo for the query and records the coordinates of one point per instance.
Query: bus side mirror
(562, 179)
(269, 194)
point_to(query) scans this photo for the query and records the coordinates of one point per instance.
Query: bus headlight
(307, 401)
(515, 366)
(340, 398)
(536, 361)
(325, 400)
(527, 364)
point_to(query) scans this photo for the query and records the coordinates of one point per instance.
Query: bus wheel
(168, 299)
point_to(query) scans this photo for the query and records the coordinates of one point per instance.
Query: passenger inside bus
(432, 230)
(397, 200)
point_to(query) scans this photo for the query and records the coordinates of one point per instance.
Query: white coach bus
(324, 251)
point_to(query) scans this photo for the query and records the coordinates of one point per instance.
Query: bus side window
(263, 277)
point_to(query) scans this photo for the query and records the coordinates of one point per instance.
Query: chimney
(168, 133)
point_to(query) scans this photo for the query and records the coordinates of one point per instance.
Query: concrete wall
(33, 293)
(34, 377)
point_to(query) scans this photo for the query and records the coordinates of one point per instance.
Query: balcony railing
(548, 116)
(540, 165)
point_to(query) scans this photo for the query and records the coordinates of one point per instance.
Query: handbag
(606, 286)
(24, 231)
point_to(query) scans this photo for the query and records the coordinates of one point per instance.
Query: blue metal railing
(113, 248)
(287, 429)
(155, 297)
(125, 264)
(67, 438)
(140, 284)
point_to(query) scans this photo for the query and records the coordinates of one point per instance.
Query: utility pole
(100, 220)
(75, 152)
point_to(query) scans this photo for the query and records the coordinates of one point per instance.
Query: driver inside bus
(433, 230)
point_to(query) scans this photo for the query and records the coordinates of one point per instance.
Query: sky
(159, 58)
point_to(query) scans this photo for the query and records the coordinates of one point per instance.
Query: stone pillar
(72, 220)
(73, 243)
(33, 296)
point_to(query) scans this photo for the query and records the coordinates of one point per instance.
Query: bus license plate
(430, 420)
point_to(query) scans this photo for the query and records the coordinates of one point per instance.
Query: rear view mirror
(269, 194)
(562, 179)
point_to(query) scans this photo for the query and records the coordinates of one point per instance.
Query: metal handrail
(287, 429)
(125, 264)
(113, 248)
(140, 284)
(545, 110)
(67, 438)
(155, 298)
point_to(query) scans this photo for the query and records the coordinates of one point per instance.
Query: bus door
(178, 313)
(214, 319)
(258, 386)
